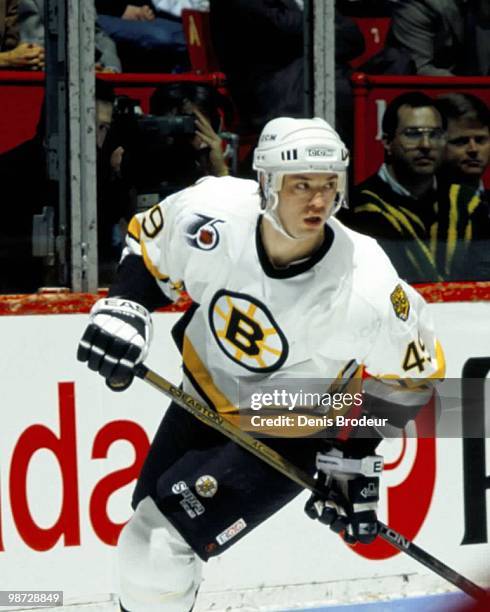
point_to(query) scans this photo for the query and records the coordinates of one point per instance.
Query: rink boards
(70, 450)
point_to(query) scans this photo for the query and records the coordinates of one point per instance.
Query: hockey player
(280, 289)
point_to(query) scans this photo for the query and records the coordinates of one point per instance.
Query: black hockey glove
(351, 495)
(117, 338)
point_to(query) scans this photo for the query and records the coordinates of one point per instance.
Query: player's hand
(351, 495)
(355, 520)
(207, 137)
(116, 339)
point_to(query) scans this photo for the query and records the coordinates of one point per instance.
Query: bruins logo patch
(206, 486)
(246, 332)
(400, 302)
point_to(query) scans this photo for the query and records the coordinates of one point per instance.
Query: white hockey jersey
(255, 325)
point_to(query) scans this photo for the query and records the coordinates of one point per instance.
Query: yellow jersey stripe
(134, 229)
(151, 267)
(198, 370)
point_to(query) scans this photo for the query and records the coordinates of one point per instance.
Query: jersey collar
(293, 269)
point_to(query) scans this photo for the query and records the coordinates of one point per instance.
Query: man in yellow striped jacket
(427, 230)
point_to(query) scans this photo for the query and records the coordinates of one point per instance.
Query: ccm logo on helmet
(320, 152)
(266, 137)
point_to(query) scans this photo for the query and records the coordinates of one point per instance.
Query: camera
(158, 153)
(161, 151)
(151, 126)
(130, 121)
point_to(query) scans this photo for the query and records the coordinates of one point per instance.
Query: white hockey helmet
(292, 146)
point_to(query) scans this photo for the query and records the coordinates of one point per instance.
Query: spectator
(20, 272)
(349, 43)
(12, 54)
(427, 229)
(174, 146)
(443, 37)
(23, 177)
(145, 41)
(397, 205)
(467, 150)
(115, 199)
(104, 107)
(465, 159)
(207, 105)
(259, 44)
(31, 24)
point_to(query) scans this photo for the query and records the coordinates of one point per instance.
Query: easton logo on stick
(397, 538)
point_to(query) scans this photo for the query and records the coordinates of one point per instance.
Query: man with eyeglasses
(397, 205)
(431, 229)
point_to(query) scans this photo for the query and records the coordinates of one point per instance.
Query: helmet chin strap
(269, 212)
(270, 201)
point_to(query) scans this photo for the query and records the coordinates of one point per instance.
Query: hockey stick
(272, 458)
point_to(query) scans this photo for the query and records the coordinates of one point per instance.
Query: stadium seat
(198, 37)
(374, 30)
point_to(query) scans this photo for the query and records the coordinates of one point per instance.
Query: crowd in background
(427, 203)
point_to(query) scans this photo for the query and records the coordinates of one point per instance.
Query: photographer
(176, 144)
(206, 104)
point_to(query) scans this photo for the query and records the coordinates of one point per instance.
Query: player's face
(467, 150)
(416, 148)
(305, 202)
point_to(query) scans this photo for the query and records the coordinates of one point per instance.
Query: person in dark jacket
(443, 37)
(397, 204)
(409, 212)
(465, 160)
(259, 44)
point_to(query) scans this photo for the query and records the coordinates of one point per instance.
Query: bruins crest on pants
(400, 302)
(206, 486)
(246, 331)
